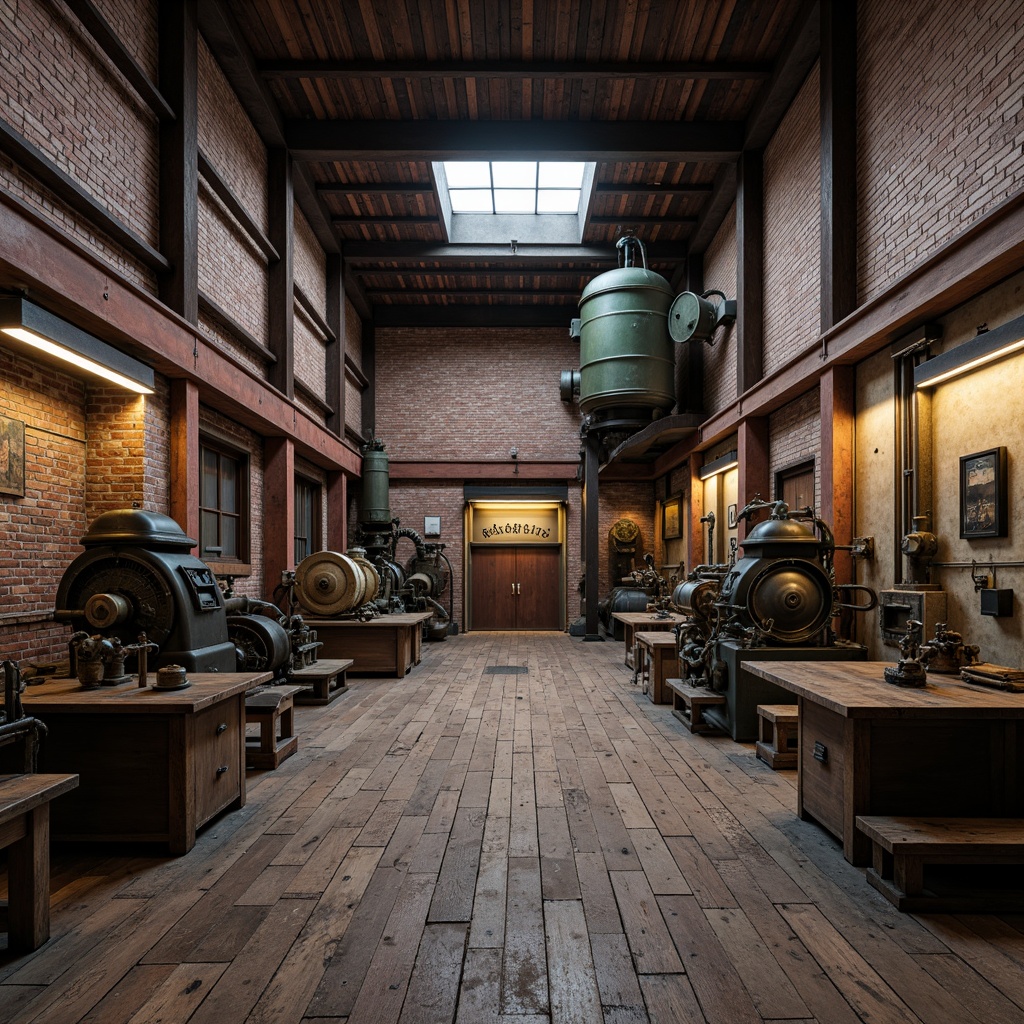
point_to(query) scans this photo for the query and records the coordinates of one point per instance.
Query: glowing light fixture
(986, 347)
(719, 465)
(32, 325)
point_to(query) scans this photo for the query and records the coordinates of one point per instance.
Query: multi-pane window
(514, 186)
(223, 501)
(307, 518)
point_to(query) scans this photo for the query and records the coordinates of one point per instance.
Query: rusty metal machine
(775, 603)
(139, 584)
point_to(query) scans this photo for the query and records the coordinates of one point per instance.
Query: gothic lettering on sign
(512, 529)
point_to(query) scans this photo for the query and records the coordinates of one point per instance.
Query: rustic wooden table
(647, 622)
(389, 644)
(868, 747)
(155, 765)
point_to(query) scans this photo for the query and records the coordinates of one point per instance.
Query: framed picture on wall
(983, 500)
(671, 527)
(12, 457)
(731, 517)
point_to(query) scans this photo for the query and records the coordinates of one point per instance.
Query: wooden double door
(517, 587)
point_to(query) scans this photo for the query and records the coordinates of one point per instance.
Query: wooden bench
(777, 735)
(25, 833)
(273, 711)
(902, 847)
(689, 702)
(323, 681)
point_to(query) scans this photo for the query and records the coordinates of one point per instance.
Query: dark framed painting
(983, 496)
(12, 457)
(671, 524)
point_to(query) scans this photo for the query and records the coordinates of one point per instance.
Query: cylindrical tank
(374, 508)
(627, 359)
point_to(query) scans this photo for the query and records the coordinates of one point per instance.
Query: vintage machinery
(137, 579)
(777, 602)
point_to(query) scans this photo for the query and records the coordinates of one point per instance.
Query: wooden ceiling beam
(498, 315)
(407, 253)
(375, 188)
(512, 140)
(517, 69)
(613, 189)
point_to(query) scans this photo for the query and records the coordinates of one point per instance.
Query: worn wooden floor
(512, 833)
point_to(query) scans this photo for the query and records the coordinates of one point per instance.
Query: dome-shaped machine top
(135, 526)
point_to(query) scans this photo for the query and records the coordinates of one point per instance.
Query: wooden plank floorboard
(464, 846)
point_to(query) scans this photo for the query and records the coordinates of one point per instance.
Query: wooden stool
(323, 681)
(902, 847)
(777, 735)
(689, 702)
(25, 833)
(268, 709)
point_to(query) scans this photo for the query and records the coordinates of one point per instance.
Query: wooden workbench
(646, 622)
(867, 747)
(387, 645)
(154, 765)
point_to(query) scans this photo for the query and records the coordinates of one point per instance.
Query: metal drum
(374, 510)
(329, 583)
(627, 359)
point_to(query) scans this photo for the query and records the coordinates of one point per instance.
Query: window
(223, 503)
(514, 187)
(307, 518)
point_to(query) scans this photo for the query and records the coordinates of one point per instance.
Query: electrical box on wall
(431, 526)
(996, 602)
(897, 607)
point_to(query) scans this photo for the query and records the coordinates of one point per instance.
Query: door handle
(513, 590)
(517, 588)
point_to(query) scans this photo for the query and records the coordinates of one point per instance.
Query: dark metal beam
(418, 252)
(512, 140)
(402, 294)
(474, 316)
(280, 274)
(516, 69)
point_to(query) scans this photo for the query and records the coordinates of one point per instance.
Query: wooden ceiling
(662, 95)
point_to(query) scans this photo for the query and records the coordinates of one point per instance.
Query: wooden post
(184, 482)
(278, 510)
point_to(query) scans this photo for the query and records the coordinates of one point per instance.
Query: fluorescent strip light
(986, 347)
(35, 326)
(719, 465)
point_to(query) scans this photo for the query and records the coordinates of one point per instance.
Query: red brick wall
(792, 231)
(940, 123)
(473, 394)
(61, 93)
(720, 357)
(794, 436)
(115, 453)
(617, 501)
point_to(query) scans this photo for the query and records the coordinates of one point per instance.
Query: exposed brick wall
(940, 122)
(794, 436)
(156, 492)
(115, 450)
(310, 354)
(621, 500)
(228, 140)
(720, 358)
(354, 409)
(41, 530)
(135, 24)
(309, 263)
(62, 94)
(473, 394)
(792, 230)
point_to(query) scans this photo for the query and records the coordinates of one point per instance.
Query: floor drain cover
(507, 670)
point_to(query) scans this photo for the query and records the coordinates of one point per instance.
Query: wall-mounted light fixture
(693, 317)
(986, 347)
(727, 461)
(32, 325)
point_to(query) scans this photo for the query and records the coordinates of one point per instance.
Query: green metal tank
(374, 508)
(627, 359)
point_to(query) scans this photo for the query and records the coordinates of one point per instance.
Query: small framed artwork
(671, 527)
(731, 517)
(983, 496)
(12, 457)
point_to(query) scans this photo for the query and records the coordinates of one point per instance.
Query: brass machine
(776, 603)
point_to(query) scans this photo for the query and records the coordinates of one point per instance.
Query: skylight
(514, 187)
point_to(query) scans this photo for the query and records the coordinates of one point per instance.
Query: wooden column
(837, 422)
(696, 555)
(278, 510)
(336, 351)
(369, 360)
(752, 453)
(690, 354)
(337, 512)
(179, 157)
(838, 160)
(749, 270)
(591, 545)
(280, 298)
(184, 483)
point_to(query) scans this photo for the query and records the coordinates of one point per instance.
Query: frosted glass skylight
(514, 186)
